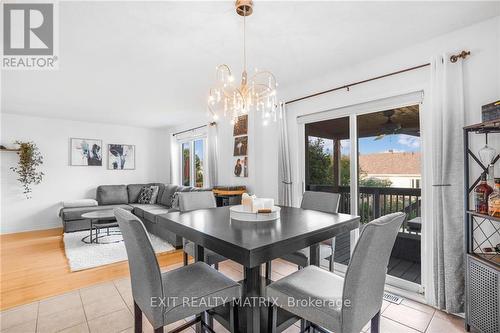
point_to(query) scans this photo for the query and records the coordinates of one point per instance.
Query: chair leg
(332, 257)
(137, 319)
(209, 320)
(303, 325)
(199, 326)
(272, 319)
(269, 269)
(233, 317)
(185, 258)
(216, 266)
(375, 323)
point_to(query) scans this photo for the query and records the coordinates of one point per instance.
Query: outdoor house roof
(390, 163)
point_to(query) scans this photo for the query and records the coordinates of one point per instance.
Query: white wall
(64, 182)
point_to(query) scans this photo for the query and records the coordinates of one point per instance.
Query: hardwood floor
(33, 266)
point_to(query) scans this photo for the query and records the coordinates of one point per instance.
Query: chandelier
(254, 93)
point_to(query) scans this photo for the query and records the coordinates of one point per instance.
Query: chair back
(321, 201)
(145, 272)
(196, 200)
(365, 276)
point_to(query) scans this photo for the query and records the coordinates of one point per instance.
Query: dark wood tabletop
(254, 243)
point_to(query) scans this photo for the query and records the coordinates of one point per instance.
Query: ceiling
(368, 125)
(151, 64)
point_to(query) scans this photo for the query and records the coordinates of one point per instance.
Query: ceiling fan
(389, 127)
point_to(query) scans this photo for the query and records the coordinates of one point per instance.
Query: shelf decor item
(491, 111)
(30, 159)
(481, 194)
(494, 200)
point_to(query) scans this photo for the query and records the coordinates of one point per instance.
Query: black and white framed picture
(241, 166)
(240, 146)
(121, 157)
(241, 126)
(85, 152)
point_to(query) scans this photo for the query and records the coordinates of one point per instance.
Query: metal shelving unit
(482, 310)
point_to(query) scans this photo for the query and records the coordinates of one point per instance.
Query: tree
(199, 171)
(345, 171)
(320, 163)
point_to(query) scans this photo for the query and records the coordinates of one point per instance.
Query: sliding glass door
(327, 169)
(389, 181)
(373, 157)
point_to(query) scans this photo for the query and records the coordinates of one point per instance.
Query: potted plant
(29, 160)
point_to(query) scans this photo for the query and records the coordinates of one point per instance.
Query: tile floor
(108, 308)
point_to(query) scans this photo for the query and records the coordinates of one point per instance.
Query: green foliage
(29, 160)
(199, 171)
(321, 168)
(320, 163)
(345, 172)
(373, 182)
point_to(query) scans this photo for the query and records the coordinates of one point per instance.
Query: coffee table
(101, 219)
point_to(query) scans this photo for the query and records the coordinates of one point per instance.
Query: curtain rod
(464, 54)
(195, 128)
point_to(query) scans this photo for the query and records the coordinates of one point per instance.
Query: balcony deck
(378, 201)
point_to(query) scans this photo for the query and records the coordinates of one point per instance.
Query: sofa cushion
(133, 192)
(148, 195)
(70, 214)
(166, 198)
(112, 194)
(161, 189)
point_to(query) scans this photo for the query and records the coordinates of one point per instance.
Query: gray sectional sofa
(126, 196)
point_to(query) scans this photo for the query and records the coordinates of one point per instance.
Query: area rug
(83, 256)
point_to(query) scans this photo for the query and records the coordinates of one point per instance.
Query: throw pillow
(154, 196)
(175, 201)
(148, 195)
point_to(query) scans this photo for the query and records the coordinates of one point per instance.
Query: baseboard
(38, 227)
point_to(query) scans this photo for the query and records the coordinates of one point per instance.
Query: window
(192, 162)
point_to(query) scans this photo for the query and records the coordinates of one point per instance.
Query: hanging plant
(29, 160)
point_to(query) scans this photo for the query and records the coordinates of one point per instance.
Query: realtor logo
(29, 39)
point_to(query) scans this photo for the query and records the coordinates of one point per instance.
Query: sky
(198, 148)
(394, 142)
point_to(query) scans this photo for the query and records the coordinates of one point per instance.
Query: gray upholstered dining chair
(192, 201)
(342, 305)
(162, 296)
(323, 202)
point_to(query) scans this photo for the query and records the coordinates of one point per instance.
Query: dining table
(253, 243)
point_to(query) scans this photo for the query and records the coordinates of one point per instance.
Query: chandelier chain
(244, 39)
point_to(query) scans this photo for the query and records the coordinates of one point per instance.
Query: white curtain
(212, 156)
(447, 114)
(174, 161)
(285, 172)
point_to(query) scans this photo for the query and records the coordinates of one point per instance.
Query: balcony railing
(378, 201)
